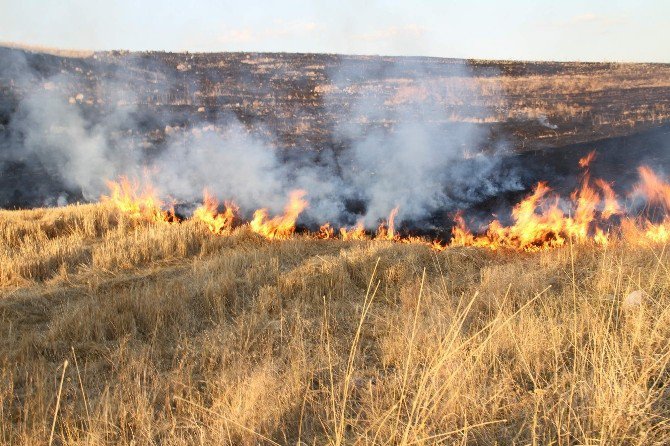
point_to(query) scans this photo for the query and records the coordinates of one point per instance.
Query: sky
(587, 30)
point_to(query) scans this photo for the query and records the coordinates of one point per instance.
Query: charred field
(255, 248)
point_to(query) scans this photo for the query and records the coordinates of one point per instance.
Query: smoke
(396, 148)
(231, 164)
(50, 134)
(82, 154)
(407, 151)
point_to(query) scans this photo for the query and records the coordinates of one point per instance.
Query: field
(121, 331)
(153, 317)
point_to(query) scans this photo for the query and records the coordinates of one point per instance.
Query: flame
(540, 223)
(386, 230)
(642, 230)
(600, 237)
(280, 227)
(460, 234)
(137, 202)
(657, 193)
(610, 202)
(585, 161)
(586, 201)
(355, 233)
(436, 245)
(326, 232)
(542, 220)
(653, 188)
(208, 213)
(659, 233)
(531, 230)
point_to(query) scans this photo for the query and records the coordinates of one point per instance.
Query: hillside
(315, 109)
(303, 97)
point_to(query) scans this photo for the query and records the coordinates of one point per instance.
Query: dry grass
(176, 336)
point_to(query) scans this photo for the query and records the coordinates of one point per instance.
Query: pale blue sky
(513, 29)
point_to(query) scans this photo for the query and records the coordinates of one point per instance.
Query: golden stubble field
(119, 331)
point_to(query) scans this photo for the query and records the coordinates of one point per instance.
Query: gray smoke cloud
(407, 152)
(80, 153)
(398, 153)
(50, 129)
(230, 164)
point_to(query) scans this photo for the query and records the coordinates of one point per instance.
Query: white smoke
(232, 164)
(80, 153)
(405, 155)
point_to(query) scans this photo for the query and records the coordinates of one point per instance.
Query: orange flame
(656, 190)
(537, 225)
(208, 213)
(586, 201)
(326, 232)
(143, 203)
(280, 227)
(542, 220)
(642, 230)
(386, 230)
(600, 237)
(460, 234)
(585, 161)
(355, 233)
(610, 202)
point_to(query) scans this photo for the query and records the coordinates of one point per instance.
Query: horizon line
(87, 52)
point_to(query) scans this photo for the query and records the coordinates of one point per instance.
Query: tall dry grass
(175, 336)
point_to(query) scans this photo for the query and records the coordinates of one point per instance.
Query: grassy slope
(183, 337)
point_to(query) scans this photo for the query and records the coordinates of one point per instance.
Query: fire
(600, 237)
(657, 193)
(656, 190)
(280, 227)
(436, 245)
(592, 214)
(586, 201)
(611, 204)
(386, 230)
(640, 230)
(460, 234)
(540, 223)
(326, 232)
(209, 214)
(585, 161)
(137, 202)
(355, 233)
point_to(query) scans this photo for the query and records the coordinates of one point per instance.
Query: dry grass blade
(367, 303)
(60, 390)
(228, 420)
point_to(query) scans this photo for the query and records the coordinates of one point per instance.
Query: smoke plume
(388, 151)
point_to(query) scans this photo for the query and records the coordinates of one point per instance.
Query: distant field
(301, 99)
(175, 336)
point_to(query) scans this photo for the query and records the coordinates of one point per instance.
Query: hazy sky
(506, 29)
